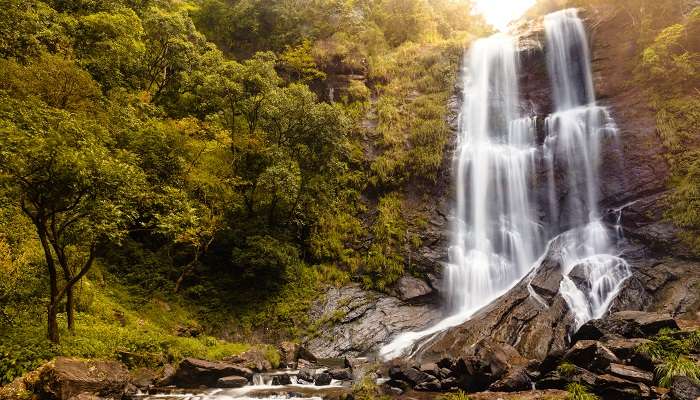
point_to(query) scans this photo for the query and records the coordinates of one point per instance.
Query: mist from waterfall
(499, 233)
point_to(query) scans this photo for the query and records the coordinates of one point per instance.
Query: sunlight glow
(500, 12)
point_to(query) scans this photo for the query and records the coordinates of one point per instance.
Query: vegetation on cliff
(172, 171)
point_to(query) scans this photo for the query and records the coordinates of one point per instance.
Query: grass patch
(577, 391)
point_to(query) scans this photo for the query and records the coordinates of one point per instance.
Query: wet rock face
(358, 322)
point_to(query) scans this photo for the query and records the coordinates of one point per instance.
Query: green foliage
(367, 389)
(577, 391)
(670, 67)
(459, 395)
(198, 184)
(677, 366)
(566, 369)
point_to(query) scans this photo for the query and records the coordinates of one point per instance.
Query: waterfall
(575, 132)
(498, 232)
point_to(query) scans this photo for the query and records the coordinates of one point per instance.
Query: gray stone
(631, 373)
(684, 388)
(231, 382)
(409, 287)
(323, 379)
(591, 355)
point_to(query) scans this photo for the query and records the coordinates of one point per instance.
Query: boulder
(195, 373)
(341, 374)
(684, 388)
(282, 379)
(515, 380)
(408, 374)
(143, 378)
(253, 359)
(613, 388)
(591, 355)
(625, 349)
(305, 375)
(167, 376)
(628, 324)
(288, 353)
(430, 369)
(409, 288)
(323, 379)
(65, 378)
(229, 382)
(306, 354)
(631, 373)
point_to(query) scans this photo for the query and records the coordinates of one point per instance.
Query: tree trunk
(70, 312)
(52, 322)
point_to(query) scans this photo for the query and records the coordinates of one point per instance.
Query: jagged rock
(408, 374)
(231, 382)
(631, 373)
(368, 320)
(556, 380)
(65, 378)
(341, 374)
(430, 368)
(684, 388)
(194, 373)
(613, 388)
(547, 280)
(253, 359)
(579, 276)
(515, 380)
(323, 379)
(288, 353)
(433, 385)
(282, 379)
(409, 287)
(629, 324)
(590, 355)
(625, 349)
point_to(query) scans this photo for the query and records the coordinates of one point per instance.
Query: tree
(58, 81)
(78, 192)
(300, 64)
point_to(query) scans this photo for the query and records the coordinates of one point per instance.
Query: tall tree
(77, 190)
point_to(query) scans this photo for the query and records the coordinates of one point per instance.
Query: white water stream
(498, 235)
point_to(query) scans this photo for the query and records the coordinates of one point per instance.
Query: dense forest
(181, 178)
(185, 166)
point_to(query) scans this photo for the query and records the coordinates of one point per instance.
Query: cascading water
(497, 237)
(495, 234)
(574, 135)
